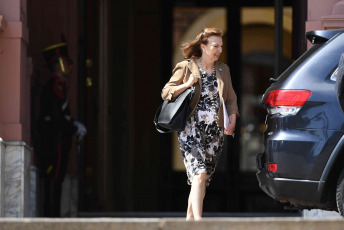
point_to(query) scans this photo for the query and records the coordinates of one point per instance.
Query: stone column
(2, 175)
(17, 179)
(14, 82)
(15, 154)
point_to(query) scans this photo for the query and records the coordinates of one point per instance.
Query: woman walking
(201, 142)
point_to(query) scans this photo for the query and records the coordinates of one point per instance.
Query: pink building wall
(20, 54)
(326, 15)
(14, 82)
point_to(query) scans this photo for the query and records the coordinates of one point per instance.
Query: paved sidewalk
(299, 223)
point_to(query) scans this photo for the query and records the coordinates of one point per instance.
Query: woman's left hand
(230, 129)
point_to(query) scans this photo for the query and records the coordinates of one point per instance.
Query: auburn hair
(193, 48)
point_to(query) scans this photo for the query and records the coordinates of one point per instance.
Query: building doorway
(251, 28)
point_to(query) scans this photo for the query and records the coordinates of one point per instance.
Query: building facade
(123, 54)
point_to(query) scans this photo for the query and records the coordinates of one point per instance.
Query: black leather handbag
(171, 115)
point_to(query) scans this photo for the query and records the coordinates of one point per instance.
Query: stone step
(329, 223)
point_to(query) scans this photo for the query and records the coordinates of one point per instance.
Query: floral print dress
(202, 140)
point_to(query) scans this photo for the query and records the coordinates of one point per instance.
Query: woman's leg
(197, 194)
(189, 213)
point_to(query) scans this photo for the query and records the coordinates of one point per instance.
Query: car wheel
(340, 194)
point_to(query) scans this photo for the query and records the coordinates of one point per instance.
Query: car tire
(340, 194)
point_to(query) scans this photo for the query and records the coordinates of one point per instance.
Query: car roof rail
(321, 36)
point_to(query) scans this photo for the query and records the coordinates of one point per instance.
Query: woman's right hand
(192, 79)
(180, 88)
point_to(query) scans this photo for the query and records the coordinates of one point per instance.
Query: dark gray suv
(303, 161)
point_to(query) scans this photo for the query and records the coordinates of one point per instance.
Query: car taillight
(272, 167)
(286, 101)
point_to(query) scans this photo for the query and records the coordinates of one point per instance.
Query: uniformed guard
(55, 127)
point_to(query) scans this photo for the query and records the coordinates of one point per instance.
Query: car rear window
(319, 60)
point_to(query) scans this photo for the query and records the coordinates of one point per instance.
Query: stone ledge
(171, 223)
(257, 224)
(79, 224)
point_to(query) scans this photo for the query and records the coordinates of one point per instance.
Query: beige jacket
(181, 74)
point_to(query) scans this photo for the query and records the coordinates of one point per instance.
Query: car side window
(334, 75)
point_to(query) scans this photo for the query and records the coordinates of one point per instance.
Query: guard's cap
(52, 53)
